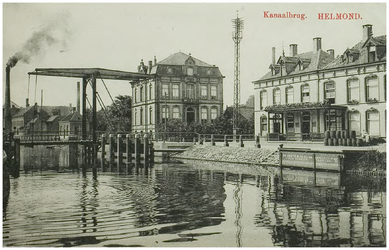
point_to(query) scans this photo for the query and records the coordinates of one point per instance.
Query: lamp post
(165, 114)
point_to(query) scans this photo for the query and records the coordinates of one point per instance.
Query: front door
(190, 115)
(306, 126)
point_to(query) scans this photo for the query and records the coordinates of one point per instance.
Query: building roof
(53, 118)
(180, 58)
(72, 117)
(323, 60)
(22, 111)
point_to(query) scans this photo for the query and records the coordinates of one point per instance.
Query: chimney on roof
(316, 44)
(293, 49)
(27, 103)
(150, 66)
(367, 31)
(273, 55)
(155, 60)
(331, 52)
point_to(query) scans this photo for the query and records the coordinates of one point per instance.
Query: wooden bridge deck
(46, 143)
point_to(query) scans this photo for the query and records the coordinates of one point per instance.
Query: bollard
(257, 142)
(73, 162)
(200, 141)
(136, 148)
(199, 138)
(103, 152)
(241, 141)
(225, 141)
(111, 152)
(194, 140)
(212, 140)
(146, 149)
(119, 152)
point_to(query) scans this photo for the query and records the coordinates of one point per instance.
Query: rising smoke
(55, 32)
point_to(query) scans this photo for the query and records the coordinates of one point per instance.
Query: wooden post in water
(103, 152)
(146, 149)
(73, 161)
(85, 163)
(111, 152)
(136, 149)
(128, 151)
(119, 152)
(16, 168)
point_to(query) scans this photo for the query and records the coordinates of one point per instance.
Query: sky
(117, 36)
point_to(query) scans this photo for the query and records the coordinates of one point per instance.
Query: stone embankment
(240, 155)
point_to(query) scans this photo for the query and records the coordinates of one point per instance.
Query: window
(204, 93)
(141, 116)
(263, 124)
(190, 91)
(372, 53)
(204, 115)
(176, 91)
(176, 112)
(373, 122)
(135, 117)
(165, 90)
(276, 96)
(305, 93)
(354, 122)
(334, 120)
(353, 90)
(165, 114)
(213, 92)
(290, 123)
(371, 88)
(289, 95)
(169, 70)
(150, 91)
(151, 115)
(329, 91)
(189, 71)
(263, 97)
(135, 93)
(141, 94)
(213, 114)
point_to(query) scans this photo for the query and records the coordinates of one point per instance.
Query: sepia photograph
(194, 124)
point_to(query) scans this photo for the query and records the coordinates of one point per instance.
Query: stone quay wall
(240, 155)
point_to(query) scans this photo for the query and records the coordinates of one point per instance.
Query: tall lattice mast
(237, 37)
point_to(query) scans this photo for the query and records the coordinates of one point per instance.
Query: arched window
(204, 114)
(150, 92)
(176, 91)
(176, 112)
(371, 87)
(141, 94)
(213, 114)
(190, 93)
(289, 95)
(135, 116)
(151, 115)
(263, 98)
(305, 93)
(373, 122)
(329, 91)
(135, 94)
(354, 118)
(141, 116)
(276, 96)
(165, 114)
(353, 90)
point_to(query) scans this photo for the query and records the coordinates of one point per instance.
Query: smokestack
(7, 99)
(273, 55)
(367, 31)
(331, 52)
(78, 98)
(316, 44)
(293, 49)
(150, 66)
(155, 60)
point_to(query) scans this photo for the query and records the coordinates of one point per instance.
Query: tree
(117, 116)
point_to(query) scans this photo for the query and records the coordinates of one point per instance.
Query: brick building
(303, 95)
(183, 88)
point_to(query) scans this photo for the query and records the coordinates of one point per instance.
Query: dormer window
(371, 53)
(169, 70)
(209, 72)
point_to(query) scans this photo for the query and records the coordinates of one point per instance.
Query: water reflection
(196, 205)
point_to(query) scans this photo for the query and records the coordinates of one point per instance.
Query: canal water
(195, 204)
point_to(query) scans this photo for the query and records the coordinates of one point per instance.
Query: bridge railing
(230, 137)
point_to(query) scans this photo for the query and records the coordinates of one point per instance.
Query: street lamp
(165, 114)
